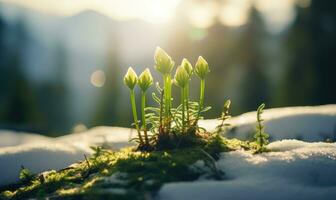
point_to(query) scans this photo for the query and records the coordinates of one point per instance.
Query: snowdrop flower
(145, 80)
(130, 78)
(163, 62)
(201, 68)
(187, 66)
(181, 77)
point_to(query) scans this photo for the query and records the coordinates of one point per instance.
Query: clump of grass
(261, 138)
(170, 127)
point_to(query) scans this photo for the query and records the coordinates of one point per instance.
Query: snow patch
(297, 170)
(11, 138)
(307, 123)
(36, 158)
(39, 153)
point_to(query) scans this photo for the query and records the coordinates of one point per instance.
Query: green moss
(126, 174)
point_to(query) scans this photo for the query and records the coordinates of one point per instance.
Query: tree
(310, 47)
(17, 102)
(107, 110)
(254, 86)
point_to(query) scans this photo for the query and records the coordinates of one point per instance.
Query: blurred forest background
(61, 73)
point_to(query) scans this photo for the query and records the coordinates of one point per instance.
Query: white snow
(39, 153)
(308, 123)
(37, 158)
(11, 138)
(295, 170)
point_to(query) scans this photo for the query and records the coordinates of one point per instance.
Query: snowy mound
(309, 123)
(10, 138)
(37, 158)
(40, 153)
(296, 170)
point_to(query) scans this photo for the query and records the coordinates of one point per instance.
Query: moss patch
(127, 174)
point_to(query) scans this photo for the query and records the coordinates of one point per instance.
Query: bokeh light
(202, 14)
(234, 12)
(98, 78)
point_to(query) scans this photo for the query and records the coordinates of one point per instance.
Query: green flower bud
(163, 62)
(201, 68)
(130, 78)
(187, 66)
(181, 77)
(145, 80)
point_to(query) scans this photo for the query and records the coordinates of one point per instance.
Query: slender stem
(168, 103)
(202, 93)
(169, 82)
(166, 95)
(161, 112)
(187, 102)
(135, 116)
(183, 106)
(144, 125)
(201, 100)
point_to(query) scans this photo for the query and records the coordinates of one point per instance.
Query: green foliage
(261, 138)
(224, 117)
(25, 175)
(170, 127)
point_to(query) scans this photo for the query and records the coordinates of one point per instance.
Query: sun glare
(159, 11)
(154, 11)
(200, 14)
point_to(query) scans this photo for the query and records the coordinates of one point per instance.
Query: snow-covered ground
(295, 170)
(39, 153)
(307, 123)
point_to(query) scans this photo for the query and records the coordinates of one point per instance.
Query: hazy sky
(277, 13)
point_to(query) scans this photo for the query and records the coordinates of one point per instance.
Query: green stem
(187, 101)
(166, 96)
(201, 100)
(170, 94)
(135, 116)
(183, 106)
(144, 125)
(168, 103)
(202, 93)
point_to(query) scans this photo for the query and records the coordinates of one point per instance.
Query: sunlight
(158, 11)
(153, 11)
(201, 14)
